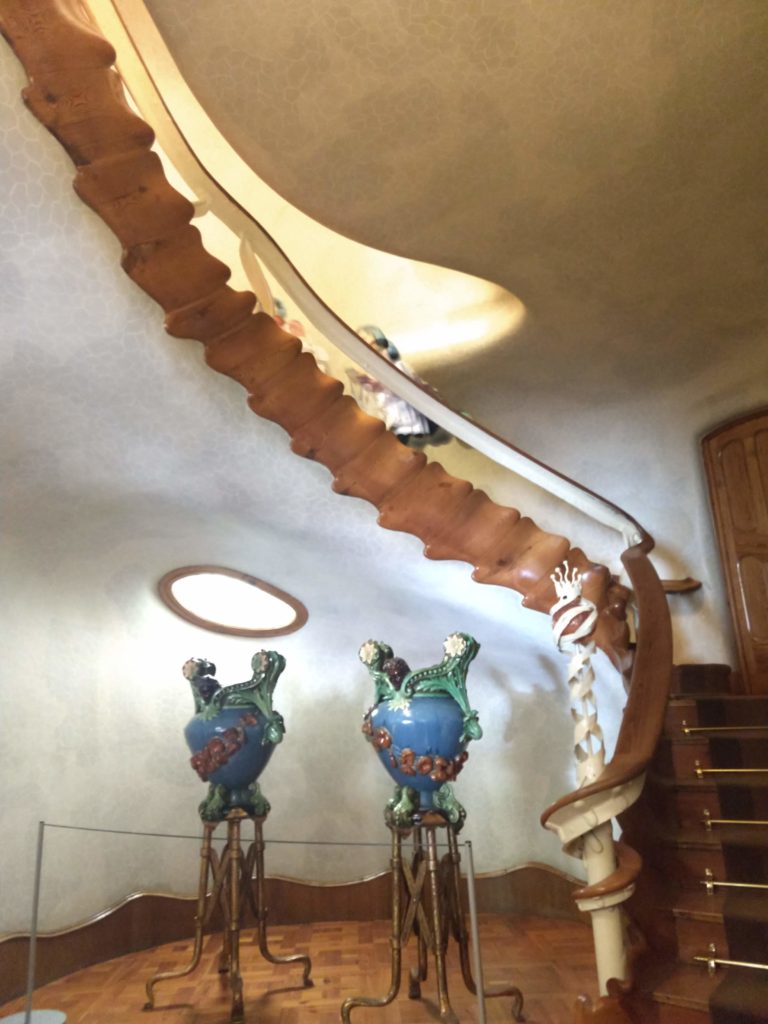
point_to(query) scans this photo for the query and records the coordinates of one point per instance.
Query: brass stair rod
(711, 883)
(701, 772)
(688, 729)
(708, 822)
(713, 961)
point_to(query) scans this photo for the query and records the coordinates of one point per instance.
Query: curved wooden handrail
(629, 864)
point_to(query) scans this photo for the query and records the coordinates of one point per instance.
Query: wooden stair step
(699, 904)
(701, 678)
(135, 198)
(695, 937)
(741, 997)
(710, 782)
(679, 984)
(677, 992)
(716, 710)
(732, 835)
(682, 755)
(395, 465)
(741, 905)
(685, 856)
(735, 922)
(736, 735)
(426, 503)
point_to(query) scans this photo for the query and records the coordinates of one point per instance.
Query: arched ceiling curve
(605, 162)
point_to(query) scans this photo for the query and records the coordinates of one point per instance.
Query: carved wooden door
(736, 458)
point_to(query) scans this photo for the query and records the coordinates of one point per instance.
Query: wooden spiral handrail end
(629, 866)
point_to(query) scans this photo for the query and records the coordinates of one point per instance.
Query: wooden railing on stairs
(75, 92)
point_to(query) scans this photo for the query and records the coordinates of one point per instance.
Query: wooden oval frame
(165, 591)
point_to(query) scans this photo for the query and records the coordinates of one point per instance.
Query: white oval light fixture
(229, 601)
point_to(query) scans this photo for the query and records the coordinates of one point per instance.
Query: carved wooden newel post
(573, 619)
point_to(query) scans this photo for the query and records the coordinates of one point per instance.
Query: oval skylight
(229, 601)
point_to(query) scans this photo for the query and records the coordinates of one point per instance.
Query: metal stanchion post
(476, 955)
(28, 1015)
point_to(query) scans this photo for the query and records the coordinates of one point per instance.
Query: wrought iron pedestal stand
(426, 903)
(232, 877)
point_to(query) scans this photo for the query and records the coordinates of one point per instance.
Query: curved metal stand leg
(207, 861)
(395, 940)
(417, 974)
(221, 891)
(446, 1011)
(459, 928)
(260, 912)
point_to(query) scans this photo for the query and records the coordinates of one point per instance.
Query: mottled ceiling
(603, 161)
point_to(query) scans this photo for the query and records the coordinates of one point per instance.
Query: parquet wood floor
(552, 961)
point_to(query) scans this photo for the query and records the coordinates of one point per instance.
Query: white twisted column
(573, 619)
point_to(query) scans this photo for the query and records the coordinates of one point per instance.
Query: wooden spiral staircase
(75, 92)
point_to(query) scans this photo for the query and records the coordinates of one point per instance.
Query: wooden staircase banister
(643, 718)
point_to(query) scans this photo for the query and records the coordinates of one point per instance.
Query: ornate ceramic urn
(420, 725)
(233, 733)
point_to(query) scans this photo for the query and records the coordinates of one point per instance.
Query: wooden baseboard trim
(143, 920)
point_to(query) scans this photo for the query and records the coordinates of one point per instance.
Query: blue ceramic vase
(420, 726)
(233, 733)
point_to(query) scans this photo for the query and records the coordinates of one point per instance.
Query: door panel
(736, 460)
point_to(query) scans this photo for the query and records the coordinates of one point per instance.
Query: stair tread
(703, 906)
(679, 984)
(710, 782)
(742, 995)
(742, 734)
(732, 835)
(699, 904)
(705, 695)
